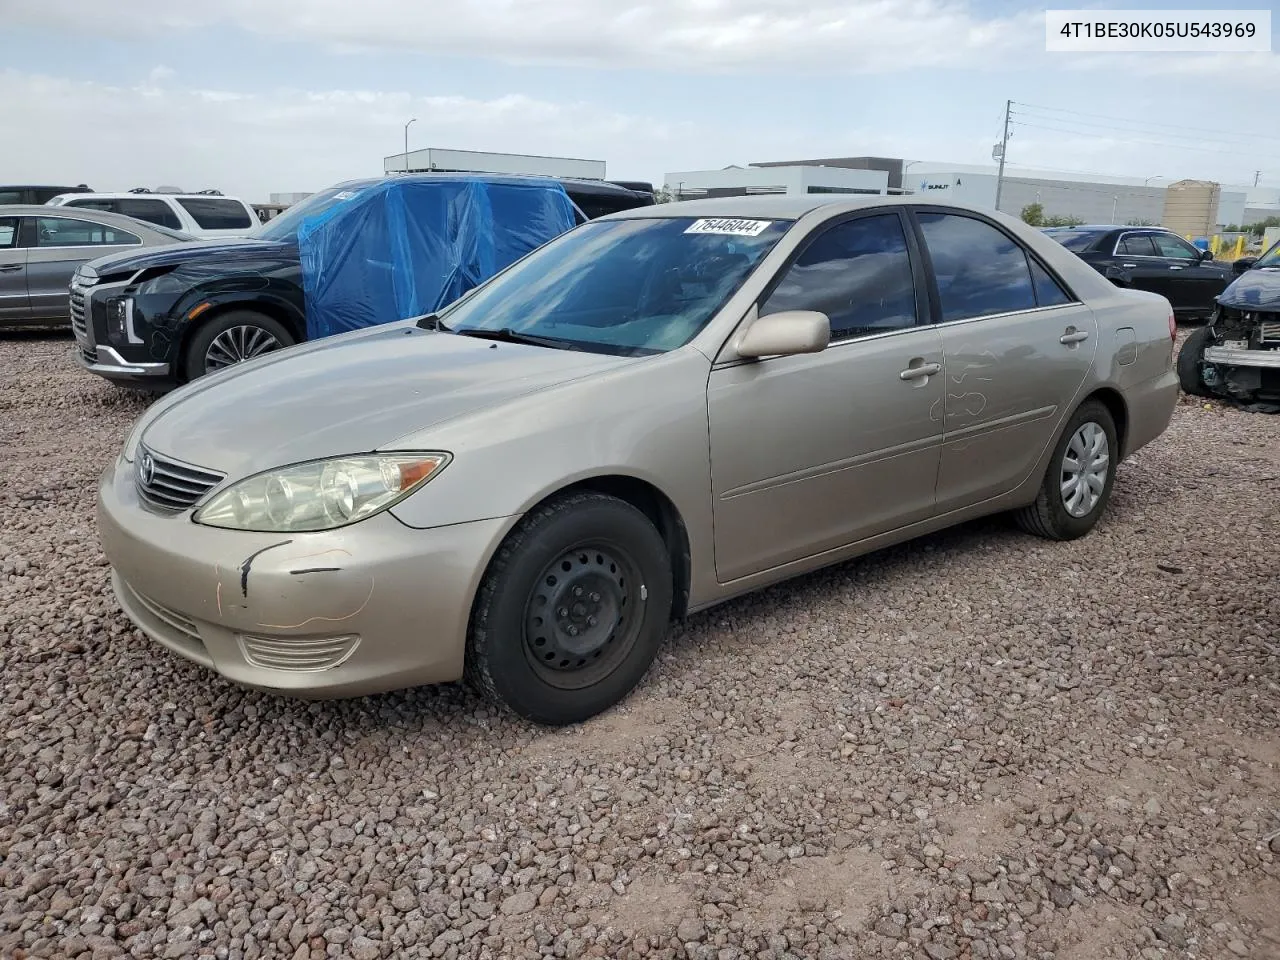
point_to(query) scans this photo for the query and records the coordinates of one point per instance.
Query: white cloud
(863, 36)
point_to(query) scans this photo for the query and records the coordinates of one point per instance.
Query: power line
(1127, 121)
(1151, 143)
(1137, 128)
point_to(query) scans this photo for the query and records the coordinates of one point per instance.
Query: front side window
(212, 213)
(65, 232)
(627, 287)
(1271, 258)
(858, 273)
(1175, 247)
(980, 270)
(1136, 245)
(8, 232)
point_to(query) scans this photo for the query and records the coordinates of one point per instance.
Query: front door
(813, 452)
(58, 245)
(1194, 283)
(14, 303)
(1018, 347)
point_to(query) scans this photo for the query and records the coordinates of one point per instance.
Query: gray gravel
(979, 745)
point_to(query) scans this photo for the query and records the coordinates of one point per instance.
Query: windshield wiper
(508, 335)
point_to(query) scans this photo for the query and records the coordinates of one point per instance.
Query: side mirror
(1243, 264)
(1206, 254)
(786, 333)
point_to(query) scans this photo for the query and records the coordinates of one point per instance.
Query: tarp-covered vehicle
(358, 254)
(1237, 355)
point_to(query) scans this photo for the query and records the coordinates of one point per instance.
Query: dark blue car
(1237, 355)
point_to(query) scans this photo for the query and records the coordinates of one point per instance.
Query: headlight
(130, 447)
(320, 495)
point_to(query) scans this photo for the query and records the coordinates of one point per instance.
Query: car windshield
(1075, 240)
(1271, 258)
(626, 287)
(285, 226)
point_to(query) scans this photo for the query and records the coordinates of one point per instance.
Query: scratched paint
(353, 613)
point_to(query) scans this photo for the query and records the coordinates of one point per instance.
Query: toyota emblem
(146, 470)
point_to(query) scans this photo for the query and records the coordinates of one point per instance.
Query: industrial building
(1198, 206)
(435, 160)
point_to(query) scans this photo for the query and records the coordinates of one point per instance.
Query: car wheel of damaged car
(1077, 484)
(231, 338)
(572, 609)
(1190, 358)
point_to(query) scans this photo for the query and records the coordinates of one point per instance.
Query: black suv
(158, 319)
(1150, 258)
(25, 193)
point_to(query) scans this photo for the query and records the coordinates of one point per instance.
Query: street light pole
(1115, 202)
(406, 145)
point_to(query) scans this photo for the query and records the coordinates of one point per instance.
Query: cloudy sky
(256, 96)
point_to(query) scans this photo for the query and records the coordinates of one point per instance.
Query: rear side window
(980, 271)
(152, 211)
(212, 213)
(65, 232)
(1049, 292)
(10, 196)
(858, 273)
(1136, 245)
(110, 206)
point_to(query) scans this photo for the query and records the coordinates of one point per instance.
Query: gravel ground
(978, 745)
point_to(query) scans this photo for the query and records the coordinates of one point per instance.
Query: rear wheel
(1190, 358)
(572, 610)
(1077, 484)
(231, 338)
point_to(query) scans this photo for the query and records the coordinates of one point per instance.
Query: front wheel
(233, 337)
(571, 611)
(1077, 484)
(1190, 358)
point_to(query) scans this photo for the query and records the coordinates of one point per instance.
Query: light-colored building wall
(790, 181)
(475, 161)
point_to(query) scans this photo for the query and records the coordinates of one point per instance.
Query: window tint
(1049, 292)
(1077, 241)
(64, 232)
(212, 213)
(1171, 246)
(980, 270)
(857, 273)
(8, 232)
(10, 196)
(111, 206)
(152, 211)
(1136, 245)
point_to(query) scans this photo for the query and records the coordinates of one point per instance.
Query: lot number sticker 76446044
(729, 227)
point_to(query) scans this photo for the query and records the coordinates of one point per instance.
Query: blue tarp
(403, 248)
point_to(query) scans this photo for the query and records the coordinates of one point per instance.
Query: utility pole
(1004, 148)
(1256, 177)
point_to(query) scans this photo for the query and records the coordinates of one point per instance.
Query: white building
(790, 180)
(435, 160)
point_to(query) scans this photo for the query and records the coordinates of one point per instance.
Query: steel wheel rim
(238, 344)
(583, 615)
(1085, 465)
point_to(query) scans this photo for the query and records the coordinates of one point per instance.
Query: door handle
(1174, 268)
(10, 267)
(1072, 337)
(1129, 266)
(921, 371)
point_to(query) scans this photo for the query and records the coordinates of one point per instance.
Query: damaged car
(1236, 356)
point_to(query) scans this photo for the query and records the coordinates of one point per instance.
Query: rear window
(212, 213)
(1076, 240)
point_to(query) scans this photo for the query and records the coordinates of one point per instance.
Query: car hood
(193, 252)
(352, 393)
(1256, 289)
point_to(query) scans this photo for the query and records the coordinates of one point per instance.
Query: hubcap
(583, 615)
(1084, 469)
(237, 345)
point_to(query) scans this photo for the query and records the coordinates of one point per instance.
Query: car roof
(104, 217)
(126, 195)
(586, 186)
(775, 207)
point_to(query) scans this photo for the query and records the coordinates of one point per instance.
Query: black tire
(1190, 356)
(195, 358)
(1048, 516)
(524, 661)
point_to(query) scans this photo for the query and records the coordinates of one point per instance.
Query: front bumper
(1232, 357)
(368, 608)
(106, 362)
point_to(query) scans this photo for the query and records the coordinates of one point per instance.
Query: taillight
(1173, 339)
(1173, 327)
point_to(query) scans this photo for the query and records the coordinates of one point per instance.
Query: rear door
(1018, 346)
(15, 305)
(1140, 259)
(59, 244)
